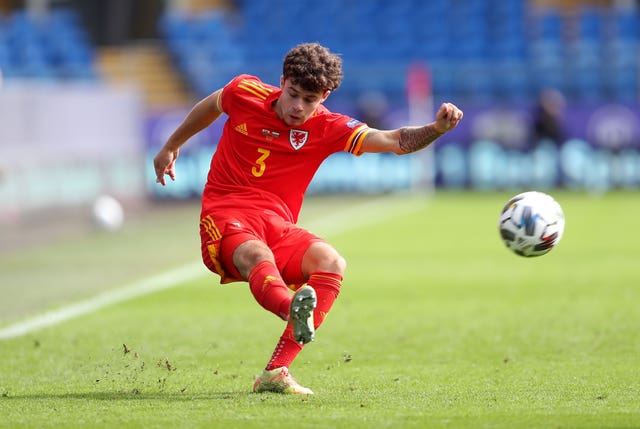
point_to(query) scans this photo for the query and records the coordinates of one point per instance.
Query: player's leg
(255, 262)
(302, 257)
(322, 266)
(233, 246)
(236, 251)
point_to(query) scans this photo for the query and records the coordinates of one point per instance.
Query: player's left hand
(447, 117)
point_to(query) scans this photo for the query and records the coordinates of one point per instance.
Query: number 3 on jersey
(258, 169)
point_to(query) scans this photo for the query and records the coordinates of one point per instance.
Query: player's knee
(249, 254)
(323, 257)
(336, 264)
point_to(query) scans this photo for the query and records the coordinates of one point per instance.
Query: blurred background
(89, 90)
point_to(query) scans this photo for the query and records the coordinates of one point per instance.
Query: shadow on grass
(141, 396)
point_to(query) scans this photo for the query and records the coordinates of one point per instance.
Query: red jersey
(261, 162)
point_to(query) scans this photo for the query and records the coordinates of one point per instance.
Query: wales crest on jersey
(298, 138)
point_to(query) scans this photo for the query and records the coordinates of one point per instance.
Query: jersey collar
(268, 103)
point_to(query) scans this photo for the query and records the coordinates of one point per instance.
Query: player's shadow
(134, 396)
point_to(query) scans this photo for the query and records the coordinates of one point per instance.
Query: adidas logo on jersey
(242, 128)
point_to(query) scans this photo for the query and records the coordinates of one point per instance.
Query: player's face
(296, 105)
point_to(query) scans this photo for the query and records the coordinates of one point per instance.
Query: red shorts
(223, 231)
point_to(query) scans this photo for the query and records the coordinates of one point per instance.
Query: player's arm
(411, 139)
(201, 116)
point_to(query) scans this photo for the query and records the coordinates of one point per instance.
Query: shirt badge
(270, 135)
(298, 138)
(353, 123)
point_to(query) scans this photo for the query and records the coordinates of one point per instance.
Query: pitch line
(143, 287)
(364, 214)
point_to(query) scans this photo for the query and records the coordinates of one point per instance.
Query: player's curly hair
(313, 67)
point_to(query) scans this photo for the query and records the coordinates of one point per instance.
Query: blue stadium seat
(548, 25)
(590, 24)
(47, 47)
(511, 80)
(511, 50)
(548, 74)
(473, 81)
(583, 82)
(620, 82)
(626, 24)
(442, 78)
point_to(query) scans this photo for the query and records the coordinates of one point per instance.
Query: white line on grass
(143, 287)
(356, 216)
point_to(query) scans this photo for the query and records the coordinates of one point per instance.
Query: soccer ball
(531, 224)
(108, 214)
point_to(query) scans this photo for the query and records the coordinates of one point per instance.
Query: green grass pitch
(437, 325)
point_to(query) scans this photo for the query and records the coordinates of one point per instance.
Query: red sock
(327, 287)
(286, 350)
(269, 289)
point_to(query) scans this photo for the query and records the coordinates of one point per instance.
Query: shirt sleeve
(226, 98)
(348, 132)
(354, 142)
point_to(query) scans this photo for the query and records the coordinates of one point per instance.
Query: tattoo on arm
(413, 139)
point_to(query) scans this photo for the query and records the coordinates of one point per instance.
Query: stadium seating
(51, 47)
(478, 50)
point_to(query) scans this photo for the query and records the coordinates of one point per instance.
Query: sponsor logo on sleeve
(353, 123)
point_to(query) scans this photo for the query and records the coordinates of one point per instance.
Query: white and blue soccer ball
(531, 224)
